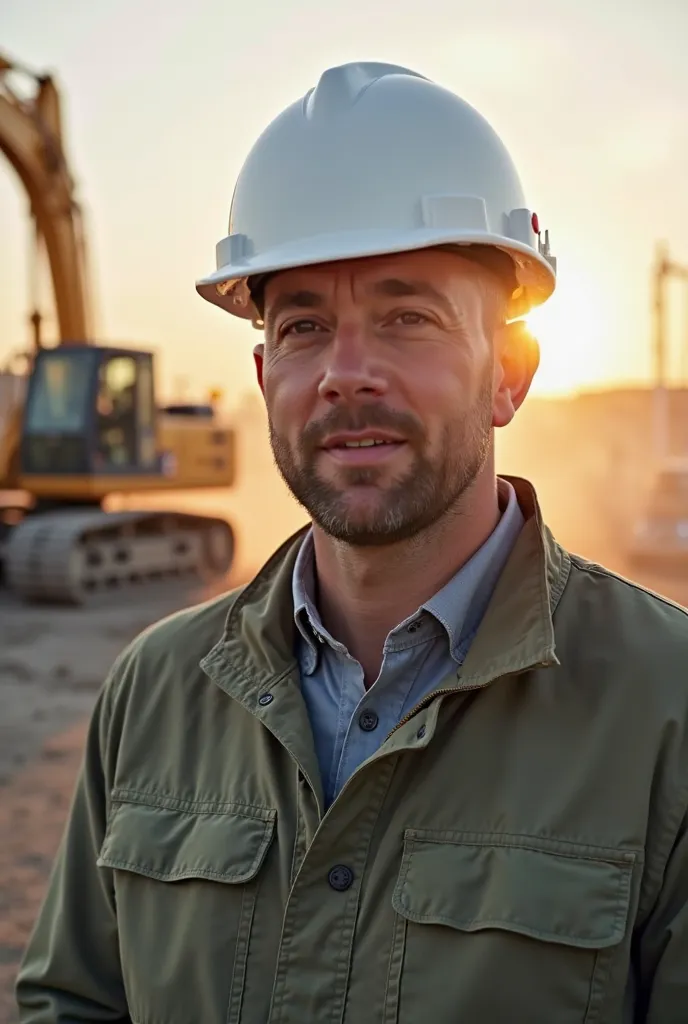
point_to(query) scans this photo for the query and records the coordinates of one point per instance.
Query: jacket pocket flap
(572, 894)
(172, 840)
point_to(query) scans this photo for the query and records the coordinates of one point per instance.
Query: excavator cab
(90, 412)
(91, 429)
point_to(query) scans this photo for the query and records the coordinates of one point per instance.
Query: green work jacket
(515, 851)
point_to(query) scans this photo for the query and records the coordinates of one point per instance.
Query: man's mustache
(340, 420)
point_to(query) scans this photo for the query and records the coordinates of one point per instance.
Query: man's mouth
(364, 444)
(362, 440)
(356, 449)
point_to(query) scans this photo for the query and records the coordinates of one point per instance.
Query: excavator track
(72, 557)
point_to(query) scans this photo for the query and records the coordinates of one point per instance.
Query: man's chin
(358, 536)
(363, 527)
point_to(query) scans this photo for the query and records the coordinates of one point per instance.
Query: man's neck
(363, 593)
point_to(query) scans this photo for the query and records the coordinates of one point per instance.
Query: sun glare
(572, 331)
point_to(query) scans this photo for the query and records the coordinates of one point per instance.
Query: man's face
(378, 377)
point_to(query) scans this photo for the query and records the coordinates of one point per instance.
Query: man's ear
(517, 357)
(258, 358)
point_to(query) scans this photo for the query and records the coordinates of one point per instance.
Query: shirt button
(340, 877)
(368, 720)
(413, 627)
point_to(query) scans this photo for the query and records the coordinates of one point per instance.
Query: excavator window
(116, 409)
(58, 399)
(57, 412)
(89, 411)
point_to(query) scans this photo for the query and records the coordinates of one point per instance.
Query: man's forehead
(396, 273)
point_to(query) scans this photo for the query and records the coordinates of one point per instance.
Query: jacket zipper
(428, 699)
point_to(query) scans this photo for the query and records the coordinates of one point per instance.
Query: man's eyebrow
(301, 299)
(395, 287)
(392, 287)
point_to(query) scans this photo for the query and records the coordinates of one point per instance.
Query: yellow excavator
(80, 421)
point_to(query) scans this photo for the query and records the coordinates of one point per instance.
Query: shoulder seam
(595, 569)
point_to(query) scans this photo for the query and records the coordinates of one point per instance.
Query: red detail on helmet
(535, 221)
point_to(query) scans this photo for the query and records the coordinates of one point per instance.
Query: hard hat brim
(227, 286)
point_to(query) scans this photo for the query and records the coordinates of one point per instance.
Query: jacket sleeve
(71, 967)
(663, 946)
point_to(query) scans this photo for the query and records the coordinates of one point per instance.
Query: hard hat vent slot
(233, 249)
(520, 226)
(468, 213)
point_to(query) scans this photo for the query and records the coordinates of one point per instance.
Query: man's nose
(352, 370)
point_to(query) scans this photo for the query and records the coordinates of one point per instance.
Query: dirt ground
(52, 664)
(33, 807)
(53, 661)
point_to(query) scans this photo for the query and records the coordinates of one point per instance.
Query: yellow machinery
(81, 422)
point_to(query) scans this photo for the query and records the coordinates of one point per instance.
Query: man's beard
(415, 501)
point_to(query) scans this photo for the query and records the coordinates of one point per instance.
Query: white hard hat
(376, 159)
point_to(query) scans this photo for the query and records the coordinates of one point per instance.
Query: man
(427, 765)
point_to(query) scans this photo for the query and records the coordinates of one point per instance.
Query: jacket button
(340, 878)
(267, 698)
(368, 720)
(421, 732)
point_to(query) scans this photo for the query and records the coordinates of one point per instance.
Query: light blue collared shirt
(349, 723)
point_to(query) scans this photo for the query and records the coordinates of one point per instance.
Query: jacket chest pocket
(185, 882)
(501, 928)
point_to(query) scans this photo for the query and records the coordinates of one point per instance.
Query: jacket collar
(257, 648)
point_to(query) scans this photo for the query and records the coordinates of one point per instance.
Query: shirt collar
(461, 603)
(459, 606)
(306, 615)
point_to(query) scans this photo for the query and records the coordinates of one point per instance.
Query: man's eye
(412, 319)
(300, 327)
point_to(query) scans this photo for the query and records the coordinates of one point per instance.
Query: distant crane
(664, 269)
(660, 537)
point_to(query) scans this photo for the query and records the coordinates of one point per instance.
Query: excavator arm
(31, 139)
(87, 425)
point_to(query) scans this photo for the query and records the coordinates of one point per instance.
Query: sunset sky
(163, 101)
